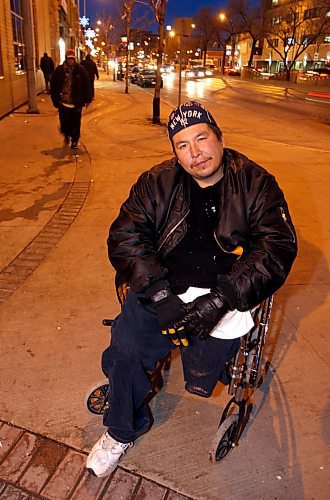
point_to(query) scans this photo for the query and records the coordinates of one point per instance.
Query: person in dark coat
(70, 92)
(47, 67)
(91, 69)
(201, 240)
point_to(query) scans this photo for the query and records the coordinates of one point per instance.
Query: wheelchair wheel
(97, 399)
(224, 440)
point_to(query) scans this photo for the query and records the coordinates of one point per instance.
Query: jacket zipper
(284, 217)
(173, 229)
(237, 251)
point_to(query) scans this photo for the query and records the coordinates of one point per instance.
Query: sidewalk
(34, 465)
(52, 337)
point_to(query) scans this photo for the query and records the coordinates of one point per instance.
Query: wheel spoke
(98, 399)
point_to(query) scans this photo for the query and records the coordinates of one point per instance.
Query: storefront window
(17, 25)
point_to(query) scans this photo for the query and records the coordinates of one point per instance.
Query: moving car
(167, 69)
(147, 78)
(198, 72)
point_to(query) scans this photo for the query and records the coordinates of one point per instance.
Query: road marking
(316, 100)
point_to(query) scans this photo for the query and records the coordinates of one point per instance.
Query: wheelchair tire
(97, 399)
(223, 442)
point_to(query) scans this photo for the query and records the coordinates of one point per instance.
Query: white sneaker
(104, 456)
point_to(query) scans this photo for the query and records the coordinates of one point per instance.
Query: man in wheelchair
(201, 240)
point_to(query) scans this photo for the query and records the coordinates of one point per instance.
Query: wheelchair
(246, 373)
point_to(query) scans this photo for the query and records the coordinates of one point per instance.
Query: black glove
(204, 313)
(169, 309)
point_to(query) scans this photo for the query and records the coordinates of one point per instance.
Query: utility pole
(29, 56)
(180, 65)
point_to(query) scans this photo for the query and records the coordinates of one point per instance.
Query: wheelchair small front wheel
(97, 399)
(225, 439)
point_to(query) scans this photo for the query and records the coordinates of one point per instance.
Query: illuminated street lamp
(222, 17)
(180, 35)
(172, 35)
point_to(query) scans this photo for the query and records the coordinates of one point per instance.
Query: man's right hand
(170, 310)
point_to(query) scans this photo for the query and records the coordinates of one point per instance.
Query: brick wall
(13, 87)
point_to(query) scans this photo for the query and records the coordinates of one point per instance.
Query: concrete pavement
(56, 293)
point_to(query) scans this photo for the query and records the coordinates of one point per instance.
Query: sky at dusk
(174, 8)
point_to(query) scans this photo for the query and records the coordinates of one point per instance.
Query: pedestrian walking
(201, 240)
(91, 68)
(70, 92)
(47, 67)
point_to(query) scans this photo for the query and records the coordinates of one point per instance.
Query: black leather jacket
(253, 223)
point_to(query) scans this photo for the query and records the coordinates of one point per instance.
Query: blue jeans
(137, 344)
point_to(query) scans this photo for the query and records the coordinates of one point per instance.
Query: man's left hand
(204, 313)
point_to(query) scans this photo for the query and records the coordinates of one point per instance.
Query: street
(262, 109)
(50, 327)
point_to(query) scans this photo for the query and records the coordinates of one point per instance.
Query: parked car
(232, 71)
(147, 78)
(321, 72)
(133, 74)
(198, 72)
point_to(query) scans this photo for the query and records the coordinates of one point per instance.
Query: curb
(46, 469)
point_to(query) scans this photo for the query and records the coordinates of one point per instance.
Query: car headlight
(190, 73)
(200, 73)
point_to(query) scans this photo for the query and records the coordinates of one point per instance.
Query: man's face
(200, 152)
(71, 60)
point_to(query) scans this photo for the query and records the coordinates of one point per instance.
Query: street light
(180, 35)
(223, 17)
(172, 35)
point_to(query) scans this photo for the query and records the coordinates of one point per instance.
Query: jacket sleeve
(132, 245)
(55, 93)
(272, 248)
(87, 89)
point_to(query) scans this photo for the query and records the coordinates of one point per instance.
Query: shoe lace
(115, 446)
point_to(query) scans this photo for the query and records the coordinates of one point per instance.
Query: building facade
(297, 29)
(289, 28)
(55, 28)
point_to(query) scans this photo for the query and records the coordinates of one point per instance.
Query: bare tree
(249, 18)
(205, 22)
(221, 28)
(127, 18)
(292, 28)
(107, 27)
(158, 8)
